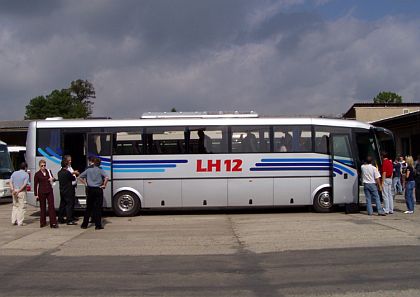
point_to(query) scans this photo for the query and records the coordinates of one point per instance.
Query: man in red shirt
(387, 169)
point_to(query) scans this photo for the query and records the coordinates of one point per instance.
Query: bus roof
(97, 123)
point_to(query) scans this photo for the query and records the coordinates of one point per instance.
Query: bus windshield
(385, 142)
(6, 167)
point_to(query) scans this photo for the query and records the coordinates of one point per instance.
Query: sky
(274, 57)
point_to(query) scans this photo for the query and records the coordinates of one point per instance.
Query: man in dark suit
(67, 193)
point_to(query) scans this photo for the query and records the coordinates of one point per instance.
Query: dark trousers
(43, 199)
(418, 191)
(66, 206)
(94, 202)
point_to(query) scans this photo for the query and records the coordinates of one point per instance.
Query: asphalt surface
(286, 252)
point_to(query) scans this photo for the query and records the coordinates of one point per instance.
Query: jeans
(371, 191)
(409, 187)
(387, 196)
(396, 185)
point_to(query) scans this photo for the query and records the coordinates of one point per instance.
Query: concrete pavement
(286, 252)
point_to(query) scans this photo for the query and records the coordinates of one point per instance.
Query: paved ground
(288, 252)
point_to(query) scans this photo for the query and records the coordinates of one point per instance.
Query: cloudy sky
(276, 57)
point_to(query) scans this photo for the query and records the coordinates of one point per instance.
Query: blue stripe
(288, 168)
(293, 164)
(52, 159)
(145, 166)
(138, 170)
(51, 152)
(344, 169)
(149, 161)
(296, 160)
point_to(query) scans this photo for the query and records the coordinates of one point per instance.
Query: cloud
(205, 55)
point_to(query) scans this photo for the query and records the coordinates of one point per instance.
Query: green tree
(173, 109)
(387, 97)
(67, 103)
(83, 91)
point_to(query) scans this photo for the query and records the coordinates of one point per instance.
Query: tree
(83, 90)
(387, 97)
(67, 103)
(173, 109)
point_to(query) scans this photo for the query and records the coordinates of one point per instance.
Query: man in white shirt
(371, 183)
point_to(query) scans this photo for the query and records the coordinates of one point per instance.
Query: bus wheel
(323, 201)
(126, 204)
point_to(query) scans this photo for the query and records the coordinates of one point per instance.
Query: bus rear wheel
(323, 201)
(126, 204)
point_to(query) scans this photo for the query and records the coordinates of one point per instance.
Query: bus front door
(100, 145)
(344, 173)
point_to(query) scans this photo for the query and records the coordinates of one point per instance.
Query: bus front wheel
(323, 201)
(126, 204)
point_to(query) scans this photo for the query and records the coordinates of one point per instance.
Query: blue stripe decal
(52, 159)
(52, 153)
(292, 164)
(149, 161)
(344, 169)
(288, 168)
(138, 170)
(145, 166)
(297, 160)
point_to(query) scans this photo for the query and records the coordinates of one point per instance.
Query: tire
(323, 201)
(126, 204)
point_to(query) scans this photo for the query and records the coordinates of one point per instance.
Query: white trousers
(387, 196)
(19, 208)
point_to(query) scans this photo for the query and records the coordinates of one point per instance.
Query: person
(96, 180)
(371, 182)
(387, 169)
(409, 185)
(396, 177)
(417, 179)
(204, 142)
(67, 194)
(249, 144)
(18, 182)
(403, 171)
(43, 192)
(67, 159)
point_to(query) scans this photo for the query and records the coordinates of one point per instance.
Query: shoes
(391, 212)
(382, 214)
(99, 228)
(61, 221)
(14, 224)
(42, 225)
(408, 211)
(72, 223)
(22, 224)
(54, 226)
(75, 219)
(83, 226)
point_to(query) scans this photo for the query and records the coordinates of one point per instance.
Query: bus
(206, 160)
(6, 169)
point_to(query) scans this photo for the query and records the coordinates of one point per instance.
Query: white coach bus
(6, 169)
(203, 160)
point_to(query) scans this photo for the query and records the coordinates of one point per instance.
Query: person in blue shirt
(18, 182)
(95, 179)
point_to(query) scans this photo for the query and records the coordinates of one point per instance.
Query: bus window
(163, 140)
(208, 140)
(295, 139)
(128, 143)
(250, 139)
(49, 138)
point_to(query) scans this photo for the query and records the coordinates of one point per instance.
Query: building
(14, 132)
(371, 112)
(406, 129)
(403, 119)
